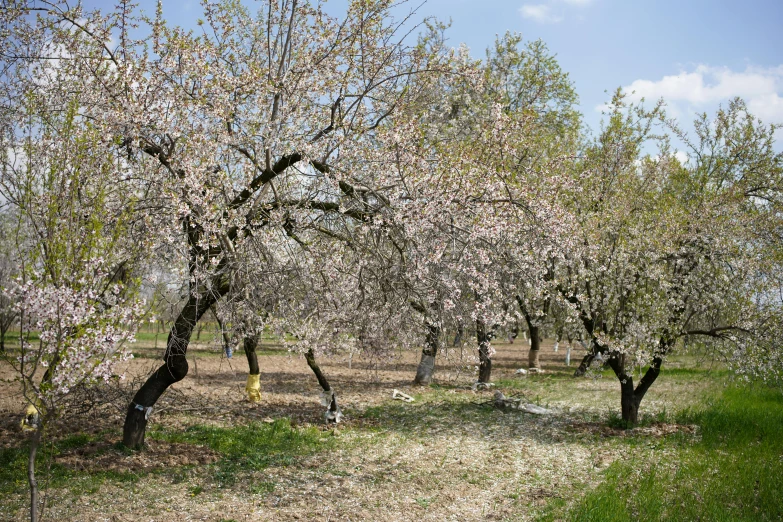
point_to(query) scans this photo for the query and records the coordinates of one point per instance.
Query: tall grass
(734, 473)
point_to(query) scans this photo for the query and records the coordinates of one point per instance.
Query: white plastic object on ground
(397, 394)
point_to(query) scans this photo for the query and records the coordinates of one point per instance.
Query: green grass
(13, 337)
(243, 448)
(439, 410)
(250, 447)
(644, 420)
(734, 473)
(13, 469)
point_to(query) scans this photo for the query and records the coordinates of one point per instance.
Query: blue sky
(694, 53)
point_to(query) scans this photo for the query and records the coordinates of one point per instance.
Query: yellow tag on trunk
(30, 421)
(253, 388)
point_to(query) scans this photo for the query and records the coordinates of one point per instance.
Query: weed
(423, 502)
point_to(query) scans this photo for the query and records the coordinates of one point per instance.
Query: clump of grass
(250, 447)
(735, 472)
(440, 410)
(242, 448)
(262, 487)
(13, 468)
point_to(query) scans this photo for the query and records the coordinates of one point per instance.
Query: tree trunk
(4, 330)
(512, 335)
(253, 387)
(427, 364)
(584, 365)
(535, 347)
(223, 333)
(227, 350)
(458, 335)
(587, 360)
(174, 369)
(35, 441)
(485, 362)
(251, 344)
(535, 336)
(333, 412)
(631, 398)
(629, 406)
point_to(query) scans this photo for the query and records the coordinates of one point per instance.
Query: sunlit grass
(250, 447)
(735, 472)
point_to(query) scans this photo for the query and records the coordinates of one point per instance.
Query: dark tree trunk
(333, 413)
(310, 358)
(584, 365)
(174, 369)
(6, 321)
(535, 337)
(458, 335)
(485, 362)
(629, 406)
(253, 387)
(250, 344)
(631, 398)
(535, 347)
(587, 360)
(427, 364)
(514, 333)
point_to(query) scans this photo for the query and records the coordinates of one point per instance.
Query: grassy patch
(250, 447)
(441, 411)
(13, 337)
(734, 473)
(693, 372)
(644, 420)
(13, 469)
(263, 487)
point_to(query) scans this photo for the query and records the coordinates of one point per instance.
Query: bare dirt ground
(443, 457)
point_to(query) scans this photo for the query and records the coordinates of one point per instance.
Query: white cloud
(551, 12)
(681, 156)
(541, 13)
(706, 86)
(768, 107)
